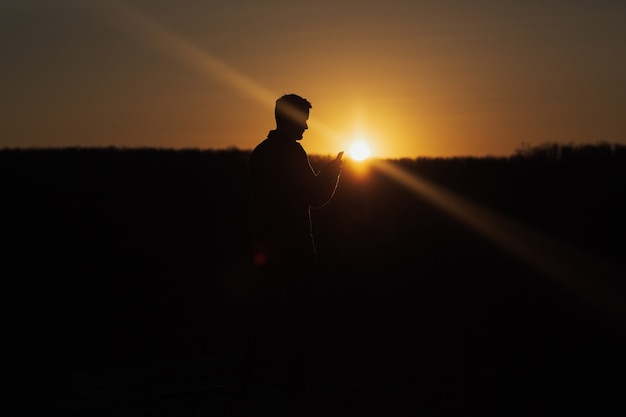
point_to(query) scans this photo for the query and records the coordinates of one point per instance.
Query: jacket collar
(279, 135)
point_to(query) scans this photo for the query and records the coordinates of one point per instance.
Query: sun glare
(359, 151)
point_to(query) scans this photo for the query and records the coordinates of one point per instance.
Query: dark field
(127, 280)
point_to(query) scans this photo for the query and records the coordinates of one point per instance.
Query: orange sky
(415, 77)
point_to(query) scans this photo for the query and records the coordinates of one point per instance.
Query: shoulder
(259, 149)
(268, 155)
(277, 150)
(276, 146)
(264, 150)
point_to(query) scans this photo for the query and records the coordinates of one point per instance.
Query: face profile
(298, 126)
(292, 113)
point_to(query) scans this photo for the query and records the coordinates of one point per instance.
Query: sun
(359, 151)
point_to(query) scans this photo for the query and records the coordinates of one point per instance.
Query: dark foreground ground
(435, 364)
(127, 289)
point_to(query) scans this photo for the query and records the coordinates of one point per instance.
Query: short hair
(289, 107)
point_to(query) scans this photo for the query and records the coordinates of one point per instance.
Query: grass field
(127, 274)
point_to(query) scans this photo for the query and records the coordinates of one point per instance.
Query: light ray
(181, 49)
(184, 51)
(587, 277)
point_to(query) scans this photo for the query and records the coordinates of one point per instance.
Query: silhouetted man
(284, 188)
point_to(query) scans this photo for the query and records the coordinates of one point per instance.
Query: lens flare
(592, 279)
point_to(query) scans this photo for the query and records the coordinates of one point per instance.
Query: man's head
(292, 112)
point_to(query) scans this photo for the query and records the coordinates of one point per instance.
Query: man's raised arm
(325, 183)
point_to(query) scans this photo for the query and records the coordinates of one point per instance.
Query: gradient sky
(414, 77)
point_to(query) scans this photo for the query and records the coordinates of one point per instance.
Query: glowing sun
(359, 151)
